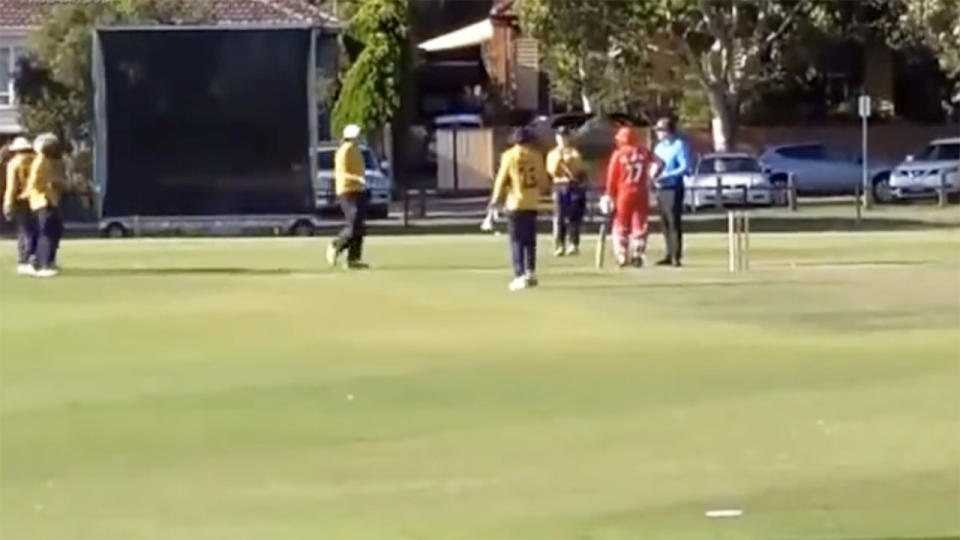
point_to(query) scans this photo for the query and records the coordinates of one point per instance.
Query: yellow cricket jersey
(47, 178)
(348, 169)
(564, 164)
(18, 172)
(521, 178)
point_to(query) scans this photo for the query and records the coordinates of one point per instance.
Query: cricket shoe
(639, 261)
(665, 262)
(357, 265)
(26, 269)
(47, 272)
(519, 283)
(559, 252)
(531, 280)
(332, 255)
(573, 251)
(622, 260)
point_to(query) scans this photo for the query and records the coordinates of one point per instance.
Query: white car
(741, 181)
(920, 176)
(378, 182)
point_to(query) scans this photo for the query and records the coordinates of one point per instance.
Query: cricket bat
(602, 240)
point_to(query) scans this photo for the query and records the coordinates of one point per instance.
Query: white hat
(20, 144)
(352, 131)
(43, 140)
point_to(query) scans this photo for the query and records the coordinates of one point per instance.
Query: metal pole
(942, 190)
(719, 193)
(746, 240)
(731, 243)
(857, 193)
(865, 184)
(792, 192)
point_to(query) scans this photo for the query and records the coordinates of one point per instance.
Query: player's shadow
(677, 284)
(185, 271)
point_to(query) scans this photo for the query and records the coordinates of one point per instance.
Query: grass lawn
(238, 389)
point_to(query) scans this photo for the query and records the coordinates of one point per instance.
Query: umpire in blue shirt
(674, 152)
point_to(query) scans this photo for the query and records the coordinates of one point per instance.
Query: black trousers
(569, 205)
(670, 203)
(26, 232)
(50, 231)
(523, 241)
(350, 239)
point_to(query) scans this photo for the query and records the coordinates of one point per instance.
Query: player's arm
(553, 163)
(656, 164)
(10, 189)
(503, 176)
(613, 176)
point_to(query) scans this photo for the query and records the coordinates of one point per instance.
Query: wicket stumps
(738, 237)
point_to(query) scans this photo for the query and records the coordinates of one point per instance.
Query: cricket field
(236, 389)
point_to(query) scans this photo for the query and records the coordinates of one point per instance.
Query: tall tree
(54, 83)
(370, 94)
(725, 45)
(935, 24)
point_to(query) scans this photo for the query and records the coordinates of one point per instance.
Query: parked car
(819, 169)
(919, 176)
(379, 183)
(741, 178)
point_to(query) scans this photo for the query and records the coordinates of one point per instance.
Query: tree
(54, 83)
(936, 25)
(725, 45)
(370, 95)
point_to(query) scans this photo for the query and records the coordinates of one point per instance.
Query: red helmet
(625, 136)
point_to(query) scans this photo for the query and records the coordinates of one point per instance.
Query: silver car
(741, 181)
(920, 176)
(819, 169)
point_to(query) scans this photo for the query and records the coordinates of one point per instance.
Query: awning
(468, 36)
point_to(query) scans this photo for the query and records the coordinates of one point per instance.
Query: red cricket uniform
(628, 176)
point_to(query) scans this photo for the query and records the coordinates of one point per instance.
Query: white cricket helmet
(351, 131)
(20, 144)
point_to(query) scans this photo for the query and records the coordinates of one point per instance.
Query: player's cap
(351, 131)
(625, 136)
(521, 135)
(665, 124)
(20, 144)
(45, 141)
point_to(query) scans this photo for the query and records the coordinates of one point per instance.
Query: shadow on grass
(681, 284)
(202, 271)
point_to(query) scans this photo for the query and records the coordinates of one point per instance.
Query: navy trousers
(569, 205)
(523, 241)
(50, 229)
(26, 232)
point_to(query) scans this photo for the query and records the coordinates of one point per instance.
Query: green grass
(199, 389)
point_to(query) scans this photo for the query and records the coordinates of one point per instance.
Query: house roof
(30, 13)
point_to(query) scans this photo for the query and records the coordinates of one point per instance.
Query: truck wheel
(778, 196)
(302, 228)
(115, 230)
(882, 194)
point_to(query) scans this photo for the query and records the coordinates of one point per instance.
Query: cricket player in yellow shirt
(519, 183)
(16, 206)
(351, 188)
(565, 167)
(46, 182)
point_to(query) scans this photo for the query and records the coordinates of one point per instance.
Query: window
(941, 152)
(810, 152)
(8, 65)
(728, 165)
